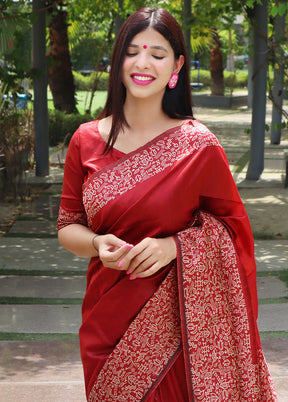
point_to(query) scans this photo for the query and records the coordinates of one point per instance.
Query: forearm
(78, 239)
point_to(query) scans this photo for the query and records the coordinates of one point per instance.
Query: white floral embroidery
(143, 164)
(226, 362)
(66, 217)
(126, 375)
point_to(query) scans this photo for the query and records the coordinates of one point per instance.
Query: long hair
(177, 102)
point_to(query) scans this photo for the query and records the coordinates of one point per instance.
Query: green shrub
(204, 77)
(62, 125)
(85, 83)
(82, 82)
(241, 80)
(16, 151)
(234, 80)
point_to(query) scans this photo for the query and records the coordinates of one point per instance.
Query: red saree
(189, 332)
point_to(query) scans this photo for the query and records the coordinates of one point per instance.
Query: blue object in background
(21, 101)
(197, 84)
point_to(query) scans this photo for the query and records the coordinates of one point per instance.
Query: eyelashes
(129, 54)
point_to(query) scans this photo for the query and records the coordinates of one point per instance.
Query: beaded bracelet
(93, 244)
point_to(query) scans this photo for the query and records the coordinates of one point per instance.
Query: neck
(144, 113)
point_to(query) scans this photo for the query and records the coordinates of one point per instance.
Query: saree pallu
(199, 308)
(185, 333)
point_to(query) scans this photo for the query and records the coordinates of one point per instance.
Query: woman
(170, 308)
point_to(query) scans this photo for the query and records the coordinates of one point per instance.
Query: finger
(115, 256)
(136, 256)
(146, 273)
(114, 244)
(141, 263)
(137, 260)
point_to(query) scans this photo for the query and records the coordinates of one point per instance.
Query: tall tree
(260, 67)
(119, 18)
(40, 90)
(208, 19)
(60, 75)
(187, 20)
(216, 65)
(279, 63)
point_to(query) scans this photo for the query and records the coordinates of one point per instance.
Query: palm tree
(60, 75)
(216, 65)
(207, 18)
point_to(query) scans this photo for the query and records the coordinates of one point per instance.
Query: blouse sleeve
(219, 195)
(71, 206)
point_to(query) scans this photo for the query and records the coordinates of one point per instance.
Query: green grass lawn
(83, 100)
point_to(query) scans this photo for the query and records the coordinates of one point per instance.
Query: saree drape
(189, 332)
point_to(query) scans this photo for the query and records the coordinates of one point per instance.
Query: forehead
(151, 38)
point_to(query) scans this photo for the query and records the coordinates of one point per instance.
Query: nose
(142, 60)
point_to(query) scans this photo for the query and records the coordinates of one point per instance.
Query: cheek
(168, 71)
(125, 68)
(126, 65)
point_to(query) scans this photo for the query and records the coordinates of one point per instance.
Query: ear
(179, 63)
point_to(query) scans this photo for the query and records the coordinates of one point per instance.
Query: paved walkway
(42, 285)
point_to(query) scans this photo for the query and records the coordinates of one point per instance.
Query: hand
(149, 256)
(112, 250)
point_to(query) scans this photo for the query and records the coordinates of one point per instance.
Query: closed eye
(158, 57)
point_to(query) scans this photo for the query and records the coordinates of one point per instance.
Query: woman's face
(149, 64)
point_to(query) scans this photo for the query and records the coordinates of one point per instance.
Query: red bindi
(144, 46)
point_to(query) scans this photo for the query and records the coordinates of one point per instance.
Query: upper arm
(71, 205)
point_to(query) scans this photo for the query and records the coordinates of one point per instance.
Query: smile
(142, 79)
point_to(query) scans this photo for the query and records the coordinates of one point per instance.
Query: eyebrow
(152, 47)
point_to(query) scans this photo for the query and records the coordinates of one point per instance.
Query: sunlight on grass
(82, 99)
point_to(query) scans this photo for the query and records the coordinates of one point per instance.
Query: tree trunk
(216, 67)
(230, 58)
(250, 66)
(119, 20)
(277, 90)
(260, 66)
(40, 90)
(187, 18)
(61, 79)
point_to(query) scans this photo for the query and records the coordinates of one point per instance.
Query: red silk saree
(189, 332)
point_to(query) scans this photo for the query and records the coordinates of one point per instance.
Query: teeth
(142, 78)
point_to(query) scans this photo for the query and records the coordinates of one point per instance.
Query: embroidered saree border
(145, 351)
(142, 164)
(217, 344)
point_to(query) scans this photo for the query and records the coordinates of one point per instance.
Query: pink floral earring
(173, 81)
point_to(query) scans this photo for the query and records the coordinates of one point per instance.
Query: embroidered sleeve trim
(67, 217)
